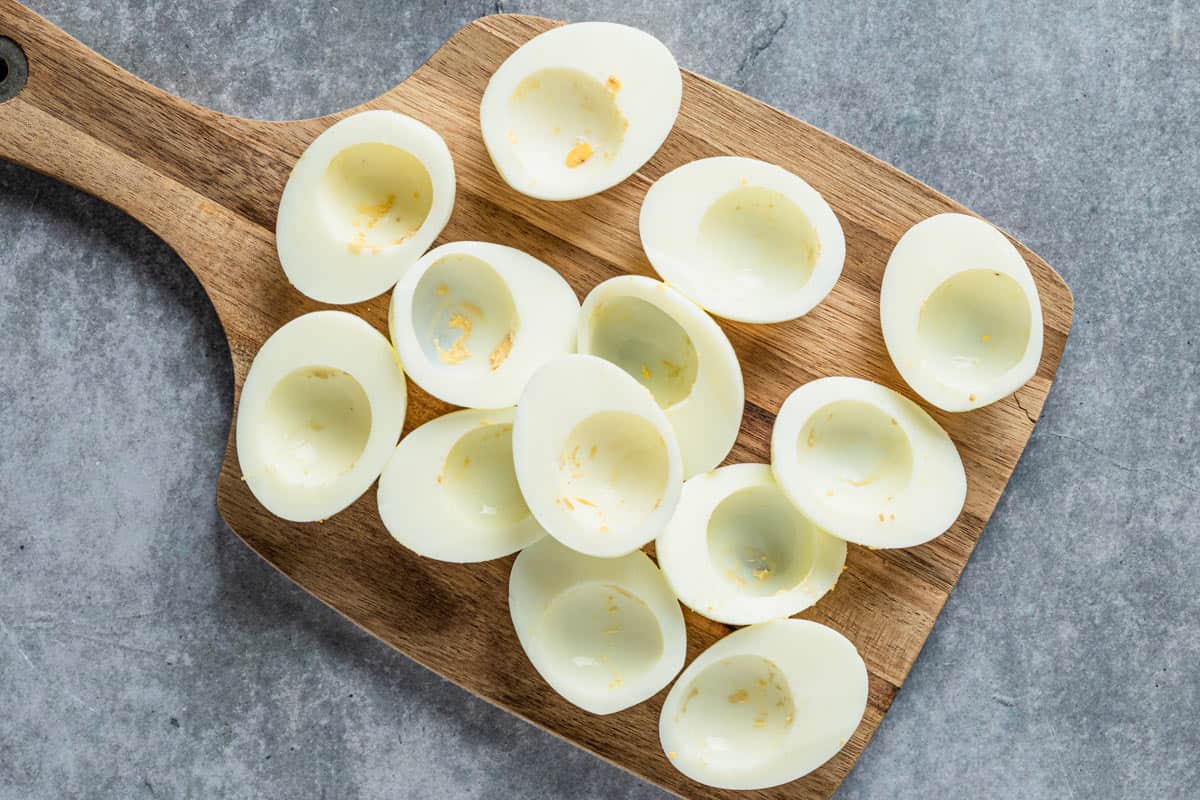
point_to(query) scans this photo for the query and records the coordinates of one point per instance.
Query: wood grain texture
(209, 185)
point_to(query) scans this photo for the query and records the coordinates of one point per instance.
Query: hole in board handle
(14, 69)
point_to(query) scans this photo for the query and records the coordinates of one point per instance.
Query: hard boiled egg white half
(737, 550)
(579, 108)
(678, 352)
(605, 633)
(867, 464)
(450, 492)
(362, 204)
(473, 320)
(960, 313)
(745, 239)
(321, 409)
(596, 457)
(765, 705)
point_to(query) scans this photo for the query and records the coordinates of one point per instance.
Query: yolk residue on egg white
(458, 351)
(578, 154)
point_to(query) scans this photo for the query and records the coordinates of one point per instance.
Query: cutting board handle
(176, 167)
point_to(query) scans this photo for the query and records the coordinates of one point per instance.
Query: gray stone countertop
(145, 652)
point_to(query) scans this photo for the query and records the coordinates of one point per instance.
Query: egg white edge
(708, 420)
(649, 98)
(675, 205)
(790, 644)
(414, 504)
(547, 317)
(309, 253)
(682, 550)
(594, 386)
(929, 253)
(338, 340)
(927, 507)
(547, 569)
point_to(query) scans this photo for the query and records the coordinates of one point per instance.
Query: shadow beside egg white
(605, 633)
(960, 313)
(449, 491)
(678, 352)
(579, 108)
(596, 458)
(744, 239)
(472, 321)
(764, 706)
(739, 552)
(321, 409)
(866, 463)
(364, 201)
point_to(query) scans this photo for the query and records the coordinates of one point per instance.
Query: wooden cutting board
(209, 184)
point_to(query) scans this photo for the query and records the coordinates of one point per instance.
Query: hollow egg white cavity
(745, 239)
(765, 705)
(450, 492)
(737, 550)
(960, 313)
(321, 409)
(579, 108)
(866, 463)
(596, 457)
(473, 320)
(605, 633)
(678, 352)
(362, 204)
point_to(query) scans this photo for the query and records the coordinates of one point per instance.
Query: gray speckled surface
(145, 652)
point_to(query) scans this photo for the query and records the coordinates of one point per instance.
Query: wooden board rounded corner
(209, 185)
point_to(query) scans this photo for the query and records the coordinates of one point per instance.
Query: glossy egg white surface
(745, 239)
(674, 349)
(737, 550)
(765, 705)
(605, 633)
(362, 204)
(473, 320)
(596, 458)
(320, 411)
(960, 313)
(450, 492)
(579, 108)
(866, 463)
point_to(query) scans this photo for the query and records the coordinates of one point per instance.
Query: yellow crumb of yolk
(645, 372)
(740, 696)
(375, 211)
(578, 154)
(501, 352)
(458, 351)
